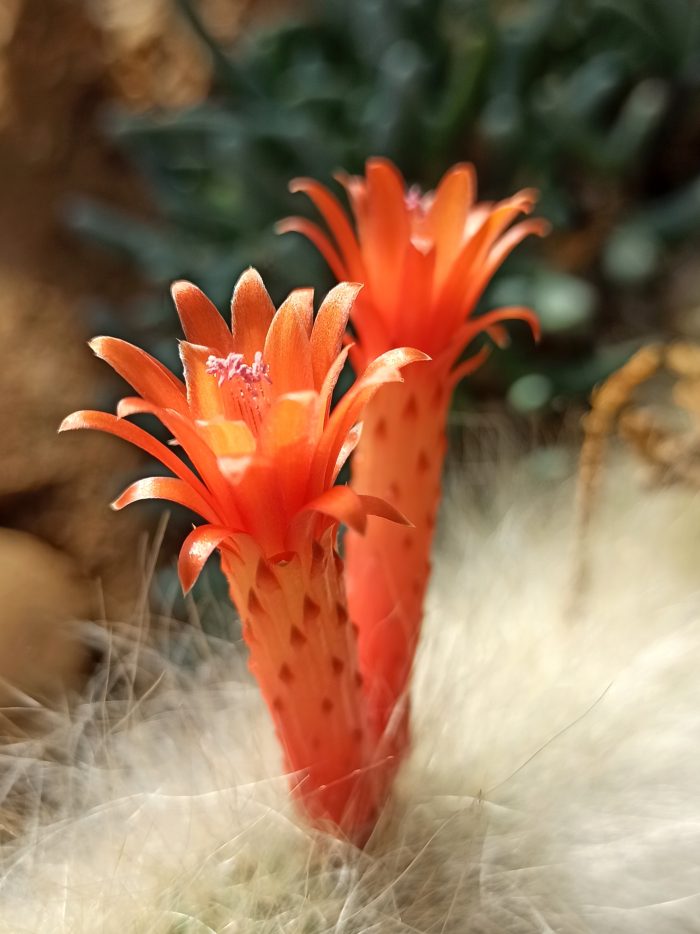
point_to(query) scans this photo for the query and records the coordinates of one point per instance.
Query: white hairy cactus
(553, 784)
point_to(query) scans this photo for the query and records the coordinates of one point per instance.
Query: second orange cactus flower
(254, 419)
(425, 260)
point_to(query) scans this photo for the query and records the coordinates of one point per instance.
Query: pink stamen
(418, 202)
(418, 205)
(224, 368)
(232, 366)
(413, 197)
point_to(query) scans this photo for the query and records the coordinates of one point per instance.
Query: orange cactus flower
(254, 418)
(425, 260)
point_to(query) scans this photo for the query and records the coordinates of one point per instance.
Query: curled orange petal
(337, 222)
(376, 506)
(147, 375)
(196, 551)
(497, 255)
(468, 331)
(111, 424)
(176, 491)
(342, 504)
(186, 434)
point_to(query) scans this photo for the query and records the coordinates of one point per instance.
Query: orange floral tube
(254, 418)
(303, 655)
(425, 260)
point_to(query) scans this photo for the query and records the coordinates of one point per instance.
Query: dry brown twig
(673, 453)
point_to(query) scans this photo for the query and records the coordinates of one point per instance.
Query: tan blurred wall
(60, 60)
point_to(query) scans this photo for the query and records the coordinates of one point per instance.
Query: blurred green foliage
(596, 102)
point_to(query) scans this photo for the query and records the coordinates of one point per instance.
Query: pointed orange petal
(319, 239)
(468, 331)
(356, 189)
(200, 319)
(288, 354)
(448, 296)
(487, 223)
(394, 359)
(499, 252)
(336, 219)
(103, 421)
(195, 552)
(511, 313)
(451, 298)
(447, 217)
(204, 396)
(375, 506)
(384, 234)
(147, 375)
(165, 488)
(251, 314)
(499, 335)
(329, 328)
(302, 302)
(342, 504)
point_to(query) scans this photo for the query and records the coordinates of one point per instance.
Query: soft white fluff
(554, 783)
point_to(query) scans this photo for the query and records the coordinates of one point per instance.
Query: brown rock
(58, 488)
(43, 600)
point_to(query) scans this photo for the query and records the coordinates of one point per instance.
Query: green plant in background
(596, 102)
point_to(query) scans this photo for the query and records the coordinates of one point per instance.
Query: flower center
(232, 367)
(418, 205)
(246, 399)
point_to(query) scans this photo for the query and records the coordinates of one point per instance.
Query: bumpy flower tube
(425, 260)
(254, 419)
